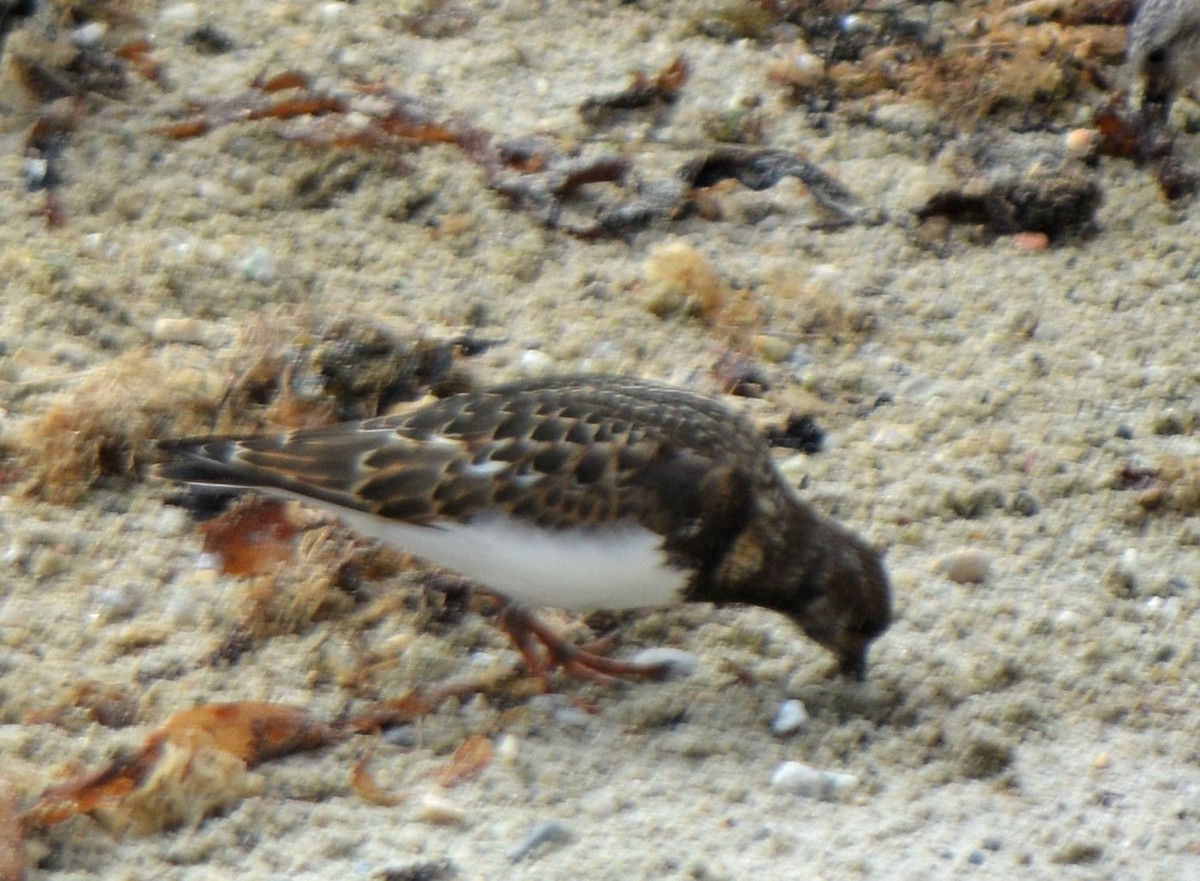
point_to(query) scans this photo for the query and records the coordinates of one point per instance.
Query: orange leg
(526, 631)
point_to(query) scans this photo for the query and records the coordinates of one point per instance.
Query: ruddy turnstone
(581, 492)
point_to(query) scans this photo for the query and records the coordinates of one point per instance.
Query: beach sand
(1025, 420)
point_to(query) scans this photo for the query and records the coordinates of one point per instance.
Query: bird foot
(526, 632)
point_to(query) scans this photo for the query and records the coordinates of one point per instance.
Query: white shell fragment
(802, 779)
(678, 662)
(791, 716)
(441, 811)
(967, 566)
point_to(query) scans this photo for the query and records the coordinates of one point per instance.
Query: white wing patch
(615, 567)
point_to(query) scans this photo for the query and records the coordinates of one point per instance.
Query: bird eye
(1157, 56)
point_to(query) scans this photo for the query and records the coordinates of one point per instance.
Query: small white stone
(1067, 619)
(572, 717)
(180, 13)
(89, 35)
(894, 437)
(332, 11)
(791, 716)
(480, 658)
(677, 661)
(969, 566)
(535, 360)
(115, 602)
(354, 56)
(259, 265)
(1081, 142)
(508, 748)
(801, 779)
(208, 560)
(442, 811)
(36, 170)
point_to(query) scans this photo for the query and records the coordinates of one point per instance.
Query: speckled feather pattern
(562, 453)
(578, 454)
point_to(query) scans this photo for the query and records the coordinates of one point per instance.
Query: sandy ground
(1016, 405)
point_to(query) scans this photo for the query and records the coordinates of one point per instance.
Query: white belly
(618, 567)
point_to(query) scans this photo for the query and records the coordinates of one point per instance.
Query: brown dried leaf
(254, 537)
(90, 792)
(251, 730)
(643, 91)
(366, 787)
(468, 761)
(192, 766)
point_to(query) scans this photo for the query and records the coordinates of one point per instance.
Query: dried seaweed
(198, 764)
(1017, 183)
(1010, 64)
(551, 186)
(644, 92)
(762, 168)
(1141, 134)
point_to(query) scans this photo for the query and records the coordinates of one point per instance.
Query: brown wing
(558, 452)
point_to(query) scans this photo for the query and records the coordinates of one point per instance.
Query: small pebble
(551, 831)
(801, 779)
(116, 602)
(88, 36)
(1081, 143)
(1031, 241)
(894, 438)
(508, 748)
(404, 736)
(677, 661)
(969, 566)
(180, 13)
(534, 360)
(572, 717)
(442, 811)
(208, 560)
(773, 348)
(1067, 620)
(789, 718)
(259, 265)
